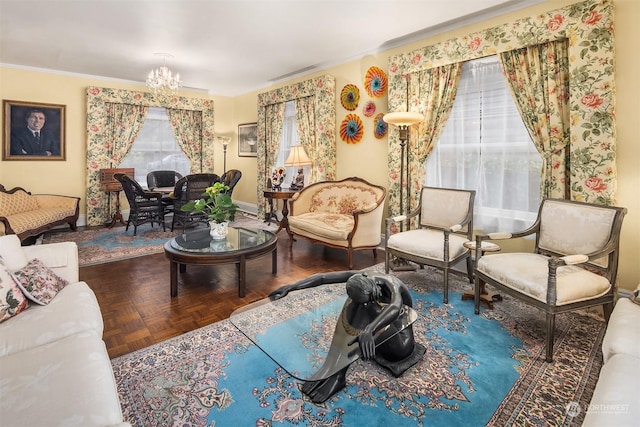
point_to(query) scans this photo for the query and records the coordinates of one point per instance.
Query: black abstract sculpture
(375, 302)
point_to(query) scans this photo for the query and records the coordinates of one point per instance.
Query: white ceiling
(223, 47)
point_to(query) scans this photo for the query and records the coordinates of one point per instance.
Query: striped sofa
(26, 214)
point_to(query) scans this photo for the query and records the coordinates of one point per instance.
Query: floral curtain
(538, 77)
(187, 128)
(322, 93)
(271, 131)
(305, 124)
(432, 93)
(124, 122)
(99, 145)
(588, 28)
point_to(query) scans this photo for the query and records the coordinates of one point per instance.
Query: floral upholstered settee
(342, 214)
(26, 214)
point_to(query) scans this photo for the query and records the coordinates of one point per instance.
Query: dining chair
(144, 206)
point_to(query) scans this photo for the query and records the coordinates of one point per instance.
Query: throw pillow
(635, 295)
(12, 300)
(38, 282)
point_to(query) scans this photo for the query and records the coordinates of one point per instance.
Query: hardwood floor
(134, 294)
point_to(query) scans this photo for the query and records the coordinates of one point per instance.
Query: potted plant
(217, 206)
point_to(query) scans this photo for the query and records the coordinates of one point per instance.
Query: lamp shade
(403, 118)
(224, 140)
(297, 157)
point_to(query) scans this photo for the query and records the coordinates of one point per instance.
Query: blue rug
(478, 370)
(100, 245)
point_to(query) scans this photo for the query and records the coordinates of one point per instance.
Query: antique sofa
(343, 214)
(616, 398)
(54, 366)
(26, 214)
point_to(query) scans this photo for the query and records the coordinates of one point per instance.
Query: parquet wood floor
(134, 294)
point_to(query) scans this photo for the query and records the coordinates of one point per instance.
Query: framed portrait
(248, 140)
(33, 131)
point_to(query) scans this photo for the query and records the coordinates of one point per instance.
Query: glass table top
(239, 238)
(297, 330)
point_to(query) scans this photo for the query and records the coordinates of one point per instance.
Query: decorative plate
(375, 82)
(351, 129)
(349, 97)
(380, 127)
(369, 108)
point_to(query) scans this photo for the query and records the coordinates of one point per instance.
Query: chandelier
(161, 80)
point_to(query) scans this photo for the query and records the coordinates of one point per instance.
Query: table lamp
(298, 157)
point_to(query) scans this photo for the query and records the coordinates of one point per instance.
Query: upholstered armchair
(162, 179)
(573, 265)
(190, 187)
(344, 214)
(436, 232)
(145, 206)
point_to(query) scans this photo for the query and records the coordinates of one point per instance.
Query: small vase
(218, 230)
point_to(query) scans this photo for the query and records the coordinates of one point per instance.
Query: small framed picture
(33, 131)
(248, 140)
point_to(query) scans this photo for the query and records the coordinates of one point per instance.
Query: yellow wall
(368, 159)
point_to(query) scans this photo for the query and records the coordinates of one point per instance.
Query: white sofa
(54, 366)
(616, 398)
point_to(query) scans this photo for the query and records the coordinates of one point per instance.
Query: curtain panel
(538, 77)
(321, 92)
(588, 27)
(99, 142)
(187, 128)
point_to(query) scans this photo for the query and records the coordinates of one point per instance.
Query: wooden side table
(485, 296)
(283, 195)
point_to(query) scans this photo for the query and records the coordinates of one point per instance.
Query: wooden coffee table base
(180, 259)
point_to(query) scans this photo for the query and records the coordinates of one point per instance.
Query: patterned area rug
(101, 245)
(478, 370)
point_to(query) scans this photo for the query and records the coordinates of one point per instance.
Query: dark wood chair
(145, 206)
(162, 179)
(190, 187)
(230, 178)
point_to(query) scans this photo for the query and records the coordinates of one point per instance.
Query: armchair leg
(476, 296)
(607, 309)
(386, 261)
(446, 285)
(551, 323)
(470, 269)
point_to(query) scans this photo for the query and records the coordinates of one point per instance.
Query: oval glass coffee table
(242, 244)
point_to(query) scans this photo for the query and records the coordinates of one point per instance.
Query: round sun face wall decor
(351, 129)
(349, 97)
(375, 82)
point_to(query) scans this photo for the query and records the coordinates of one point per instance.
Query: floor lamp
(403, 120)
(224, 140)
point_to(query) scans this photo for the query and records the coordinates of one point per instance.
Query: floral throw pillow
(12, 300)
(635, 295)
(38, 282)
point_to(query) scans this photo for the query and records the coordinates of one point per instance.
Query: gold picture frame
(20, 121)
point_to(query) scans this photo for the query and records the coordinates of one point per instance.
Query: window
(486, 147)
(289, 139)
(155, 148)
